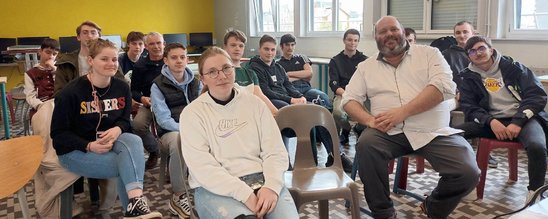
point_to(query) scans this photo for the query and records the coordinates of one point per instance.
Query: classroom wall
(233, 14)
(27, 18)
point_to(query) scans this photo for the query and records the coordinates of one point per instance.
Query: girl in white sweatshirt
(233, 148)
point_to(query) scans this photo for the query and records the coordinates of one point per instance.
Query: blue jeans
(532, 137)
(311, 93)
(172, 140)
(209, 205)
(125, 161)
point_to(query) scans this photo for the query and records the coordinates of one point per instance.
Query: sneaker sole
(182, 215)
(147, 216)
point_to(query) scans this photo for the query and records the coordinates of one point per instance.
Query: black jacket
(144, 72)
(341, 69)
(518, 80)
(280, 88)
(458, 60)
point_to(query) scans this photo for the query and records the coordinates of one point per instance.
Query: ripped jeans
(209, 205)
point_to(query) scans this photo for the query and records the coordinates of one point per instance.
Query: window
(531, 15)
(334, 15)
(528, 20)
(273, 16)
(433, 16)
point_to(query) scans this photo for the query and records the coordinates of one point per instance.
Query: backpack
(444, 43)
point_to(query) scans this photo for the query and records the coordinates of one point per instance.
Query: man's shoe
(346, 163)
(152, 160)
(179, 205)
(138, 208)
(423, 207)
(344, 137)
(492, 162)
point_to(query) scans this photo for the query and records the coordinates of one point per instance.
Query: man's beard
(385, 51)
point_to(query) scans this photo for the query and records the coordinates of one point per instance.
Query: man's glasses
(474, 52)
(214, 73)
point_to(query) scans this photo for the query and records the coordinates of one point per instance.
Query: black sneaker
(138, 208)
(180, 206)
(344, 137)
(152, 160)
(492, 162)
(346, 163)
(329, 161)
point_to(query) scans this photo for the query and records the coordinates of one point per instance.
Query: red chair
(419, 167)
(10, 108)
(484, 148)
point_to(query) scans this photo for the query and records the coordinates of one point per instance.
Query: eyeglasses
(214, 73)
(474, 52)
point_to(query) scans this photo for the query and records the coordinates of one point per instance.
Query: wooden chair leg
(482, 158)
(403, 173)
(420, 164)
(391, 167)
(513, 165)
(323, 206)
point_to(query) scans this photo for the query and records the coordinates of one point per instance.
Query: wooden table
(20, 159)
(30, 52)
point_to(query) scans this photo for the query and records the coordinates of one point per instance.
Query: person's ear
(90, 60)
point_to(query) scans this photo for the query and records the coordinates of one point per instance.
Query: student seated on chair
(39, 79)
(503, 99)
(235, 159)
(91, 128)
(171, 92)
(144, 73)
(410, 35)
(134, 51)
(341, 68)
(299, 71)
(407, 86)
(71, 66)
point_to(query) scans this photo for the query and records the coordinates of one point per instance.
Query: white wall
(233, 13)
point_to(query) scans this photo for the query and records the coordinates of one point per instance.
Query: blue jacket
(160, 108)
(519, 80)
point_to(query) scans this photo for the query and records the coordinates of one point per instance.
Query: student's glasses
(474, 52)
(214, 73)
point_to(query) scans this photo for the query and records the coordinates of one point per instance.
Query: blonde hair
(95, 46)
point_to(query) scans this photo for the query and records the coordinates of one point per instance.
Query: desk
(30, 52)
(5, 119)
(538, 210)
(323, 74)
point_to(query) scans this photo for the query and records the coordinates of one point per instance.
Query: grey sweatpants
(451, 156)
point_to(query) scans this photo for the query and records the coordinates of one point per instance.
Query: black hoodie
(273, 80)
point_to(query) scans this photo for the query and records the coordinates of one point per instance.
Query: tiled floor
(500, 196)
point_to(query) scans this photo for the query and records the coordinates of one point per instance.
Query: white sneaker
(529, 199)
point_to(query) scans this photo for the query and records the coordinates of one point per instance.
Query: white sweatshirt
(221, 143)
